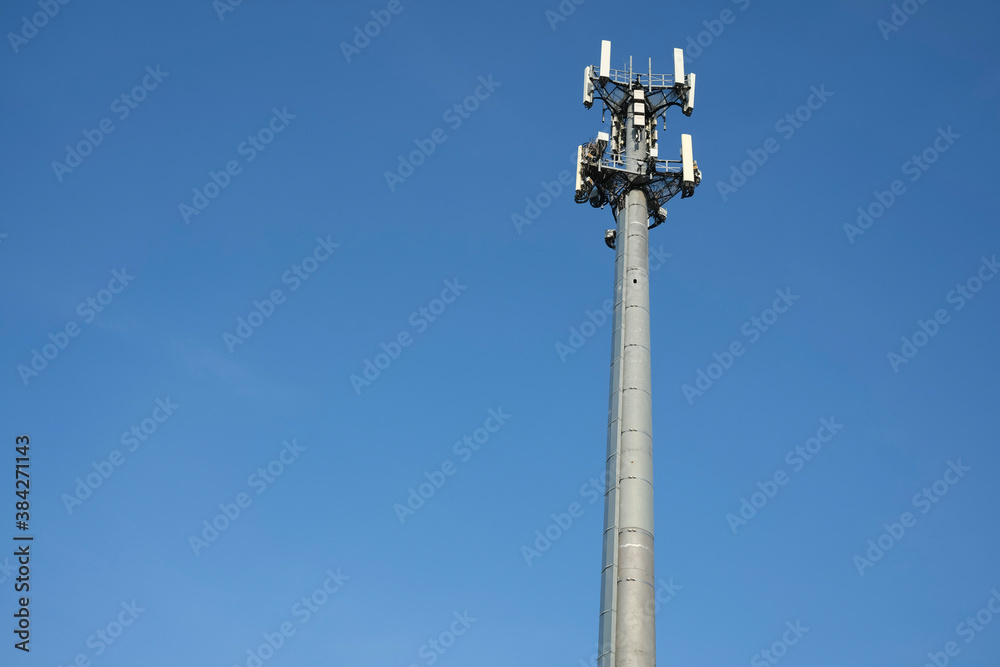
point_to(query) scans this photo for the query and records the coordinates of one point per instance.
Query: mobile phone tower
(623, 168)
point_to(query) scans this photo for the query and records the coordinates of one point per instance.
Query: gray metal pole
(628, 624)
(614, 169)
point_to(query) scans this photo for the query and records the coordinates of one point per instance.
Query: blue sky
(244, 255)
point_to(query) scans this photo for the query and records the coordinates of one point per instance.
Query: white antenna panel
(678, 65)
(689, 103)
(687, 157)
(605, 58)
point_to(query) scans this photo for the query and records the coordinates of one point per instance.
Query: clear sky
(216, 214)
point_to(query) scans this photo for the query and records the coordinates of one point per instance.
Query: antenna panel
(605, 59)
(588, 86)
(689, 102)
(687, 157)
(678, 66)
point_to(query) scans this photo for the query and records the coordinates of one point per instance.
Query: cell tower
(622, 168)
